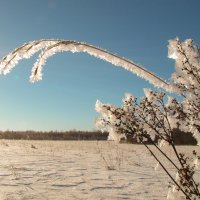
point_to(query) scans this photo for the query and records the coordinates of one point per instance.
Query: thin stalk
(175, 150)
(172, 163)
(167, 171)
(163, 153)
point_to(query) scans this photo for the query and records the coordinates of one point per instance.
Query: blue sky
(65, 98)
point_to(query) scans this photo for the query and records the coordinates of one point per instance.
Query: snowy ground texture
(80, 170)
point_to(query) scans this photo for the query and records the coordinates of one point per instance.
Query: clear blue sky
(65, 98)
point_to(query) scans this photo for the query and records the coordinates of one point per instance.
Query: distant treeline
(53, 135)
(180, 138)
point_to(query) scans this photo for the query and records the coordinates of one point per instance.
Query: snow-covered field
(80, 170)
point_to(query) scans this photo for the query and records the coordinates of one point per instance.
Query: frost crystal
(150, 120)
(51, 47)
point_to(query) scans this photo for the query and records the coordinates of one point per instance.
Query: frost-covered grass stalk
(152, 118)
(50, 47)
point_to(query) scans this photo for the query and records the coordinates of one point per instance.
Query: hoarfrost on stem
(153, 119)
(51, 47)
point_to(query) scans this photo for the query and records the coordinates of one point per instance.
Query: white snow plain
(66, 170)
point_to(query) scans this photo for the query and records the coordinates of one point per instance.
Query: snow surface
(80, 170)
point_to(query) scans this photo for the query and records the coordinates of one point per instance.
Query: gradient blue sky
(65, 98)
